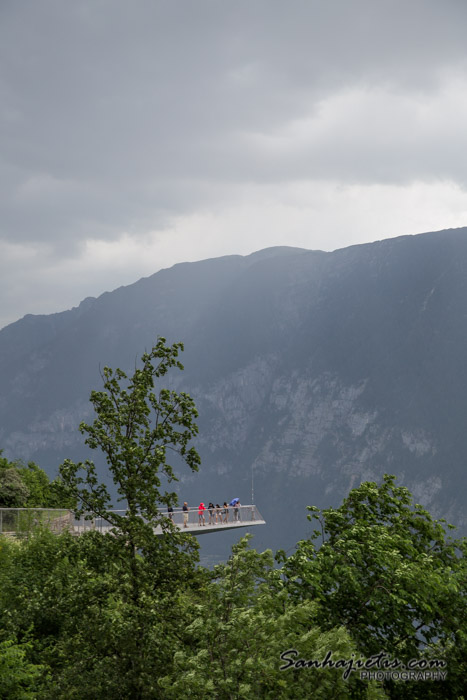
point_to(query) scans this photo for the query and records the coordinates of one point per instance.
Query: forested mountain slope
(311, 371)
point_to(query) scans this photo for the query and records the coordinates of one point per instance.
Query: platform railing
(16, 522)
(19, 522)
(222, 515)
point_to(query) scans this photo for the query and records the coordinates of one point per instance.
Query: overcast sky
(135, 135)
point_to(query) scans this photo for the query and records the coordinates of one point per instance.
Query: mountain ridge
(311, 370)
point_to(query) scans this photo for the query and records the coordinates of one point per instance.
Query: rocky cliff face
(311, 371)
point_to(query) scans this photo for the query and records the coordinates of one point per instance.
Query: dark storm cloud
(120, 116)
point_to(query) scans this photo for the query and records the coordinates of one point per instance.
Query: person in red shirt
(201, 510)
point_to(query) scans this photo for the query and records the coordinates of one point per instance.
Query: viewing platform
(240, 516)
(19, 522)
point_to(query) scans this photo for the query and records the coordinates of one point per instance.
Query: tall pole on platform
(252, 484)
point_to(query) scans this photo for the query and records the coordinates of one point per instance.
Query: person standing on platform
(225, 513)
(236, 511)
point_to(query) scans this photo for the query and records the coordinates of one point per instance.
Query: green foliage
(241, 623)
(13, 491)
(129, 615)
(19, 679)
(33, 574)
(44, 493)
(101, 622)
(30, 487)
(136, 427)
(72, 600)
(386, 571)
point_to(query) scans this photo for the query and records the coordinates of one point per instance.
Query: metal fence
(217, 516)
(19, 522)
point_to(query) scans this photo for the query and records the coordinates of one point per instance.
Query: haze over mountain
(311, 372)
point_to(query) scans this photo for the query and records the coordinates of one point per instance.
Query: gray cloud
(119, 117)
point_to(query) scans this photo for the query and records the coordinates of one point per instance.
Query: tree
(19, 679)
(390, 574)
(137, 426)
(240, 624)
(30, 487)
(13, 491)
